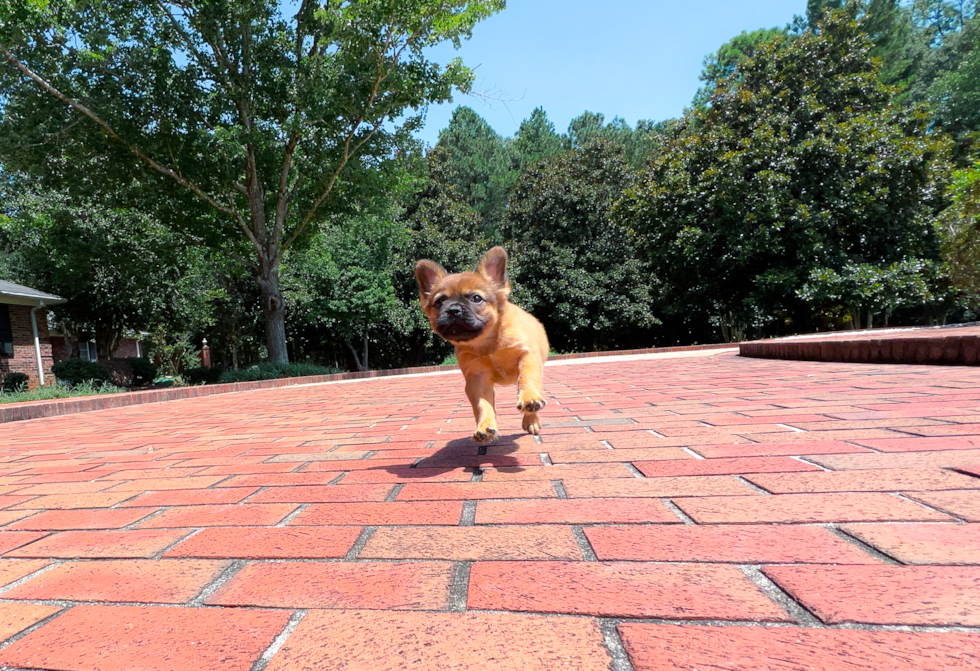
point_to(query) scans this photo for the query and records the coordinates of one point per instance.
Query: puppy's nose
(454, 310)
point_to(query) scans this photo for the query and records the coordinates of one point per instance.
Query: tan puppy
(496, 341)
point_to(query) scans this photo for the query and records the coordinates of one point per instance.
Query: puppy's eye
(439, 302)
(476, 298)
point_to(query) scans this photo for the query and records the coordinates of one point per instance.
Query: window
(6, 333)
(86, 351)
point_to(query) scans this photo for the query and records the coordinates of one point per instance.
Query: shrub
(203, 375)
(144, 372)
(120, 372)
(15, 382)
(273, 371)
(76, 371)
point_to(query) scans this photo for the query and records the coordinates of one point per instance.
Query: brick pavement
(709, 512)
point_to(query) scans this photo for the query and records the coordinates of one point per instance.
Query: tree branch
(156, 165)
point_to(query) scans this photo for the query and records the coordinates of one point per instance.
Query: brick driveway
(678, 513)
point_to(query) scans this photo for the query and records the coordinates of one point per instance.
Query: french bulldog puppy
(496, 342)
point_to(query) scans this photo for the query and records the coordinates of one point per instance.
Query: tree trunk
(106, 341)
(274, 310)
(357, 359)
(366, 325)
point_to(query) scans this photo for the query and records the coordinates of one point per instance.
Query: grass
(59, 391)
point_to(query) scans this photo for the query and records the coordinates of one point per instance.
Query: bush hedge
(274, 371)
(13, 382)
(76, 371)
(144, 371)
(202, 375)
(120, 372)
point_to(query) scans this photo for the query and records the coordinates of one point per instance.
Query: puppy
(496, 341)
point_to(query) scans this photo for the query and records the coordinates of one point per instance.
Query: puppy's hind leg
(479, 389)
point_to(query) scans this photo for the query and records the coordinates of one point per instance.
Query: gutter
(37, 342)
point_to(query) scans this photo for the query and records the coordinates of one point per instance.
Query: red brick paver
(680, 591)
(369, 585)
(787, 503)
(110, 638)
(923, 595)
(121, 580)
(654, 647)
(373, 641)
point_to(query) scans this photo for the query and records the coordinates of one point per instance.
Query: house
(61, 347)
(24, 345)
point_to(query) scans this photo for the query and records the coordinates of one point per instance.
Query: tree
(261, 116)
(573, 267)
(439, 225)
(482, 170)
(536, 140)
(815, 10)
(959, 229)
(956, 92)
(720, 65)
(342, 280)
(639, 143)
(802, 161)
(119, 269)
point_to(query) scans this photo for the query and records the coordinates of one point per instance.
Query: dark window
(6, 333)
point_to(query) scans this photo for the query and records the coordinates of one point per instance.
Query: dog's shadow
(461, 453)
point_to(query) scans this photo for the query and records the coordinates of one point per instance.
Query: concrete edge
(16, 412)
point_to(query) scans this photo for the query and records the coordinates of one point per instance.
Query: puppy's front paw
(532, 423)
(487, 435)
(529, 401)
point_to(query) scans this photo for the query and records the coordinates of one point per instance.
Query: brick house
(24, 344)
(61, 348)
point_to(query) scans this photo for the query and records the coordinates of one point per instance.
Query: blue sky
(638, 59)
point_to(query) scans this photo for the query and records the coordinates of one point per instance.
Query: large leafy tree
(801, 162)
(574, 267)
(343, 281)
(439, 225)
(482, 169)
(261, 110)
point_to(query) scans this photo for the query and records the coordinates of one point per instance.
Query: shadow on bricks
(465, 454)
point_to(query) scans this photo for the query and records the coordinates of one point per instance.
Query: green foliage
(482, 170)
(144, 372)
(49, 392)
(638, 143)
(537, 140)
(574, 268)
(118, 267)
(343, 281)
(801, 162)
(268, 370)
(842, 298)
(959, 229)
(15, 382)
(76, 371)
(720, 65)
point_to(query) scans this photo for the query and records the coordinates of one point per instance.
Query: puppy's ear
(428, 274)
(493, 266)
